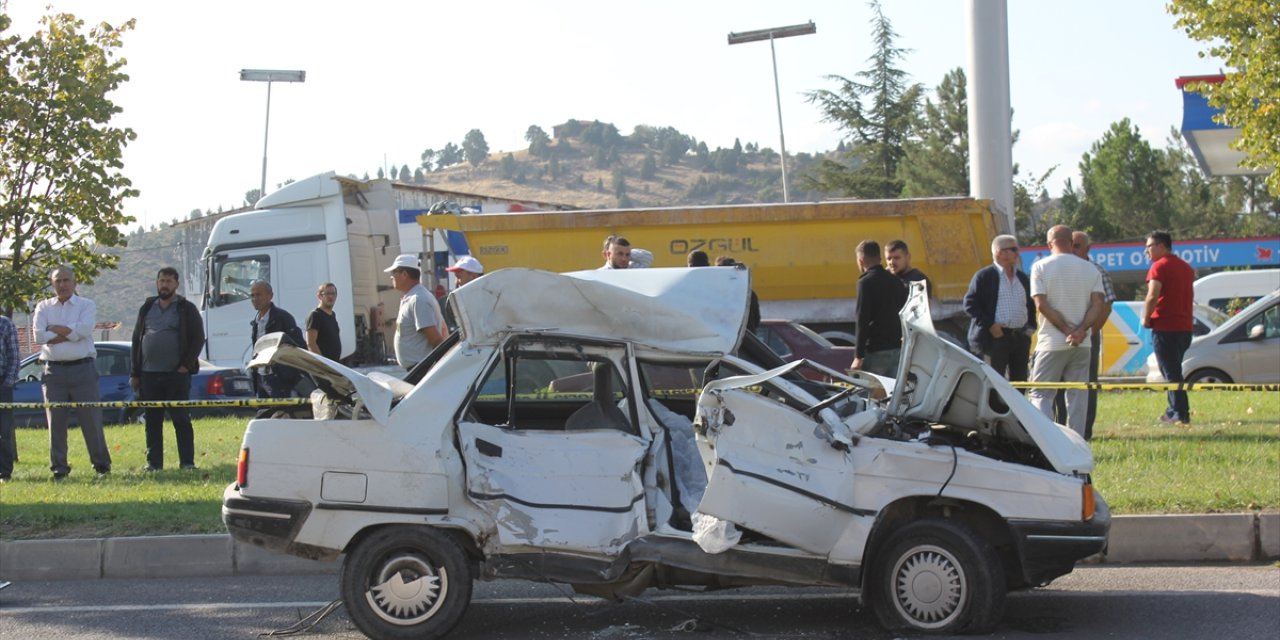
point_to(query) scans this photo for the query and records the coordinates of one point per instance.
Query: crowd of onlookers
(1064, 302)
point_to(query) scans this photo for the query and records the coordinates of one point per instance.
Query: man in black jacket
(275, 381)
(1002, 313)
(167, 338)
(881, 296)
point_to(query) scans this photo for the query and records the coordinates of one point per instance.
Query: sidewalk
(1233, 537)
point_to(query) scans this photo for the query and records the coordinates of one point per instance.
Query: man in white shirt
(1068, 294)
(419, 325)
(63, 326)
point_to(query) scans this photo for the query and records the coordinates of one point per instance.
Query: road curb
(1228, 537)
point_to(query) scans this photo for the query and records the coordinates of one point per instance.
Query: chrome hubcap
(929, 587)
(407, 590)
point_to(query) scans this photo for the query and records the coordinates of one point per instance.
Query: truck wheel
(937, 576)
(406, 582)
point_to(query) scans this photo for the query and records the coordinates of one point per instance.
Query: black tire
(937, 576)
(1209, 375)
(431, 588)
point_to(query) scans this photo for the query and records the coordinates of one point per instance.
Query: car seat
(602, 412)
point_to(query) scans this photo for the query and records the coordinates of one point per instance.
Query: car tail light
(1087, 505)
(215, 386)
(242, 469)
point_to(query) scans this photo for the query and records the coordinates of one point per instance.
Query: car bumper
(1048, 549)
(268, 523)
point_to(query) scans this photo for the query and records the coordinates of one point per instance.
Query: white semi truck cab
(318, 230)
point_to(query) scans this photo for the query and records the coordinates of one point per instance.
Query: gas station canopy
(1209, 140)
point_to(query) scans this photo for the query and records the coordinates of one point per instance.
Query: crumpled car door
(771, 468)
(551, 488)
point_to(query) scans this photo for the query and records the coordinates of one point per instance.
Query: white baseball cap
(404, 261)
(467, 263)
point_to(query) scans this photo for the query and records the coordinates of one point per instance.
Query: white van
(1217, 290)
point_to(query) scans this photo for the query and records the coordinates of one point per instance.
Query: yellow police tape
(1148, 386)
(157, 404)
(294, 402)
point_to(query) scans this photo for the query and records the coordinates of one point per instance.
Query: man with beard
(167, 338)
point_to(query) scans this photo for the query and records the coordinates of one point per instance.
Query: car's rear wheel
(1209, 375)
(937, 576)
(406, 582)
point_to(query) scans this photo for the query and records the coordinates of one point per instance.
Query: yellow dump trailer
(801, 255)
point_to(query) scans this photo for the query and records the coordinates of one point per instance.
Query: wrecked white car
(618, 430)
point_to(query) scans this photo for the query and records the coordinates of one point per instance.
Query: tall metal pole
(990, 118)
(771, 34)
(269, 76)
(782, 138)
(266, 132)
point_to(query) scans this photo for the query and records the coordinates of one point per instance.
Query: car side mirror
(1257, 331)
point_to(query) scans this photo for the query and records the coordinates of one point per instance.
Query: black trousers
(168, 386)
(1010, 352)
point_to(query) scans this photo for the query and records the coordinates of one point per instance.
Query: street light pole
(771, 35)
(269, 76)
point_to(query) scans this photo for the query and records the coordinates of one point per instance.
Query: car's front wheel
(937, 576)
(406, 582)
(1209, 375)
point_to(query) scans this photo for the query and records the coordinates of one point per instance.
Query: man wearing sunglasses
(1002, 314)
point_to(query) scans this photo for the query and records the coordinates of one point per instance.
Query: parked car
(113, 363)
(1245, 348)
(930, 503)
(1220, 290)
(794, 341)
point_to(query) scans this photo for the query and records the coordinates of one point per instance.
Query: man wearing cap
(63, 325)
(466, 269)
(419, 324)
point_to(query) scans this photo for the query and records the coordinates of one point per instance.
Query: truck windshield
(232, 277)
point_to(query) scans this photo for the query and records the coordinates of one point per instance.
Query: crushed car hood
(376, 391)
(942, 383)
(698, 310)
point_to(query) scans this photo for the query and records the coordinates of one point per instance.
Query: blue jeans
(1169, 347)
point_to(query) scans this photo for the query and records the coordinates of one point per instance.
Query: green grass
(1227, 461)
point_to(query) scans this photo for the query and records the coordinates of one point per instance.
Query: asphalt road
(1236, 601)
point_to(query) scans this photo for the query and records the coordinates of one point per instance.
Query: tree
(381, 174)
(1126, 194)
(936, 161)
(508, 166)
(61, 188)
(878, 130)
(1245, 34)
(429, 160)
(418, 176)
(474, 148)
(649, 169)
(252, 196)
(405, 176)
(539, 141)
(448, 156)
(1215, 207)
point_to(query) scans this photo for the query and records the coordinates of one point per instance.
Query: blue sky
(387, 79)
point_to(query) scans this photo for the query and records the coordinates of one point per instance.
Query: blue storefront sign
(1200, 254)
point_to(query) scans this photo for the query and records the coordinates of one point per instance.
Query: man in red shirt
(1167, 312)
